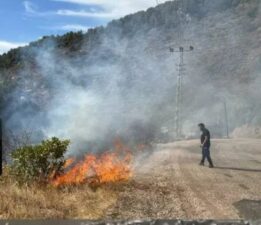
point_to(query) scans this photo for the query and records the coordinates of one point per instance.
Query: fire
(111, 166)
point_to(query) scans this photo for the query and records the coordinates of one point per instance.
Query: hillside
(119, 80)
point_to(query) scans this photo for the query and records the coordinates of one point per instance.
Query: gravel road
(169, 183)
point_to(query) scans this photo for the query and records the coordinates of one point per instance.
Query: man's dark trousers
(206, 154)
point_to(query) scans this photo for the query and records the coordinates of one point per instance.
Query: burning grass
(87, 189)
(109, 167)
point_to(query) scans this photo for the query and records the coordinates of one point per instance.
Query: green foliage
(10, 59)
(39, 162)
(253, 12)
(71, 40)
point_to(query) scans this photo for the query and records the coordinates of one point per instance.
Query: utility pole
(226, 118)
(182, 20)
(181, 72)
(225, 123)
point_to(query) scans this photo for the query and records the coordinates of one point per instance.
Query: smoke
(122, 81)
(90, 103)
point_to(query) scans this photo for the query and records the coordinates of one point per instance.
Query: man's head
(201, 126)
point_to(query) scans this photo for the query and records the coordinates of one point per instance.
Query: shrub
(253, 12)
(39, 162)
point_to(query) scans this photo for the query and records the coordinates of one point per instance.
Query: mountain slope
(119, 80)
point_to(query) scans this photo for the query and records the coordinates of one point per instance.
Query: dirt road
(169, 183)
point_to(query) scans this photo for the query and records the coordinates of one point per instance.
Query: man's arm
(205, 133)
(205, 140)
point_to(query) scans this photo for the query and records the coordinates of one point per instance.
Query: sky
(23, 21)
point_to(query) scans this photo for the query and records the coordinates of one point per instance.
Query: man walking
(205, 144)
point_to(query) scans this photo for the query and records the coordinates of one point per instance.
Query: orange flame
(111, 166)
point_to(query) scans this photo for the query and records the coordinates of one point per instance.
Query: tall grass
(37, 201)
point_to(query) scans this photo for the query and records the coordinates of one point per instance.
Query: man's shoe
(201, 164)
(211, 166)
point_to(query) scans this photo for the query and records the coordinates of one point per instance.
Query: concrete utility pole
(226, 118)
(225, 123)
(181, 71)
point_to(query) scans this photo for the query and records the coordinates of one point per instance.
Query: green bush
(39, 162)
(253, 12)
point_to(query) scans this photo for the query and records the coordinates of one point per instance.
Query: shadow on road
(238, 169)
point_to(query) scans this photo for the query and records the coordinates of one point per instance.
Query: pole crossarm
(181, 49)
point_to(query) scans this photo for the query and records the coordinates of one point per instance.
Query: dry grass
(41, 202)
